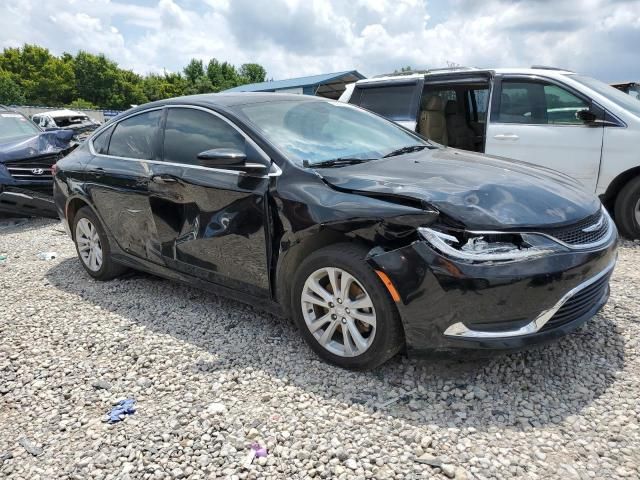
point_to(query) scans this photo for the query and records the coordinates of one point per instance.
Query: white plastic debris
(47, 256)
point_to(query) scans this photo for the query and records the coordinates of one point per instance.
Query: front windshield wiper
(336, 162)
(407, 149)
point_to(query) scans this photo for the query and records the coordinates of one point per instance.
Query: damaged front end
(26, 179)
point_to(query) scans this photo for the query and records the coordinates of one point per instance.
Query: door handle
(506, 136)
(98, 172)
(163, 179)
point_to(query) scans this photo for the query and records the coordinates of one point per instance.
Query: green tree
(10, 91)
(194, 70)
(167, 85)
(252, 73)
(81, 103)
(31, 74)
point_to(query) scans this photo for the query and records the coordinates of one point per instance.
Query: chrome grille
(590, 230)
(34, 169)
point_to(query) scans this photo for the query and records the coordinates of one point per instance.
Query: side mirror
(229, 159)
(587, 116)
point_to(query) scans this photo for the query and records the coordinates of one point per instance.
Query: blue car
(27, 154)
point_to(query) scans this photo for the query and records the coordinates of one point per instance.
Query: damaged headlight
(489, 247)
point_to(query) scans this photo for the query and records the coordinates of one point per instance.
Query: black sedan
(368, 236)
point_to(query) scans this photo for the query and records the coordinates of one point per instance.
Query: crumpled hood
(480, 191)
(45, 143)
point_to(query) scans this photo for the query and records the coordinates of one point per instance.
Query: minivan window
(392, 102)
(538, 103)
(480, 99)
(614, 95)
(189, 132)
(137, 136)
(318, 130)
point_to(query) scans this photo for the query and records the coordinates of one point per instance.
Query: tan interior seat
(459, 134)
(432, 123)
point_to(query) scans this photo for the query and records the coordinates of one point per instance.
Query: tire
(84, 224)
(627, 209)
(373, 334)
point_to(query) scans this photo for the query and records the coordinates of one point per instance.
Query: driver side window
(538, 103)
(189, 132)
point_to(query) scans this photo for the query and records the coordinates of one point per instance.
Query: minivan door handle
(163, 179)
(506, 136)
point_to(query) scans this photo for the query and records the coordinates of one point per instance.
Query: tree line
(31, 75)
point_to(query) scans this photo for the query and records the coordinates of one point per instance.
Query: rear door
(397, 100)
(534, 119)
(118, 177)
(209, 222)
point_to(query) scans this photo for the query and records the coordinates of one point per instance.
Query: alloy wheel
(636, 212)
(89, 246)
(339, 312)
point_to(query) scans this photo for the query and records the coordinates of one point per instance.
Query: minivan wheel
(343, 310)
(627, 209)
(93, 247)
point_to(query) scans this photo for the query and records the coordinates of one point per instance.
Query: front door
(209, 222)
(535, 121)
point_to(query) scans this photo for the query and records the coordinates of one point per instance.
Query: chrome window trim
(584, 246)
(460, 330)
(275, 170)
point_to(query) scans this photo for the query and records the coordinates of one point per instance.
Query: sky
(292, 38)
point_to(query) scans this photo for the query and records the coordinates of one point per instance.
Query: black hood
(480, 191)
(30, 146)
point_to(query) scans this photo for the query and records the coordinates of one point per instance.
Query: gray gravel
(211, 376)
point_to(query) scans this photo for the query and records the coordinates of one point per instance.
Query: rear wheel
(627, 209)
(93, 247)
(343, 310)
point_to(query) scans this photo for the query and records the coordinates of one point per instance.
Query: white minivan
(547, 116)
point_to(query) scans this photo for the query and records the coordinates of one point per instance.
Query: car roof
(224, 100)
(545, 71)
(60, 113)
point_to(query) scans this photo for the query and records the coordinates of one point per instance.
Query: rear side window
(393, 102)
(189, 132)
(479, 103)
(101, 142)
(137, 137)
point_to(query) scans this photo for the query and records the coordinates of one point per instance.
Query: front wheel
(343, 310)
(627, 209)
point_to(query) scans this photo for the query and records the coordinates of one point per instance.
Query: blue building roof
(329, 83)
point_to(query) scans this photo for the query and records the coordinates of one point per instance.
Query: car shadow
(519, 390)
(9, 224)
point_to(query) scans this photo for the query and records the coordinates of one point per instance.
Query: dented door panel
(211, 224)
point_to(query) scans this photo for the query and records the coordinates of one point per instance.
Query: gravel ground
(211, 376)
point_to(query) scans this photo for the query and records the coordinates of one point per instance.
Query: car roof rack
(425, 72)
(547, 67)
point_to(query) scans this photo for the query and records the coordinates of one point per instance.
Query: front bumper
(27, 202)
(448, 305)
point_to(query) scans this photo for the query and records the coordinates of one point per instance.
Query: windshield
(635, 92)
(15, 125)
(622, 99)
(318, 131)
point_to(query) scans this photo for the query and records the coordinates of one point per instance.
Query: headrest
(451, 108)
(433, 102)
